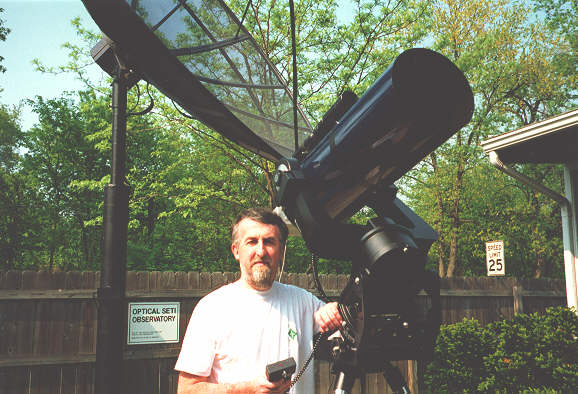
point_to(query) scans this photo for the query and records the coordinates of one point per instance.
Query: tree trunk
(151, 218)
(455, 224)
(438, 225)
(269, 175)
(441, 267)
(453, 255)
(83, 240)
(539, 268)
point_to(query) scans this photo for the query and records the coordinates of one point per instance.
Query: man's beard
(262, 276)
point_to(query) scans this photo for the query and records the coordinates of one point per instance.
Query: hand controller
(281, 370)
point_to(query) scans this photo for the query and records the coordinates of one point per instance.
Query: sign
(495, 258)
(153, 322)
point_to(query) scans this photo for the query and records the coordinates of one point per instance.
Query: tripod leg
(395, 379)
(344, 383)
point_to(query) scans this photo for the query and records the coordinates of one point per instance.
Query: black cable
(322, 295)
(183, 113)
(325, 298)
(302, 371)
(147, 109)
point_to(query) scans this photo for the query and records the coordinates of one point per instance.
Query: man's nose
(260, 248)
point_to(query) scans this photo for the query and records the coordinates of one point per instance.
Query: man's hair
(261, 215)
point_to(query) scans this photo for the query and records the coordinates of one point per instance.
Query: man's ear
(235, 250)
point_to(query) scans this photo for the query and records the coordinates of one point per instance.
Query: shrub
(530, 353)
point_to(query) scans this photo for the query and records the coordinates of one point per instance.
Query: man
(235, 331)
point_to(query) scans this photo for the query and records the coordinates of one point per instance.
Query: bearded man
(236, 330)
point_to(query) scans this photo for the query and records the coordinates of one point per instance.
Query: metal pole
(344, 383)
(570, 235)
(111, 294)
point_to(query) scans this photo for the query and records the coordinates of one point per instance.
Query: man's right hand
(189, 384)
(264, 386)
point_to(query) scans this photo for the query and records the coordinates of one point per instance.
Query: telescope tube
(420, 101)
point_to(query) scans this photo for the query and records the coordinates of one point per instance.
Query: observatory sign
(153, 322)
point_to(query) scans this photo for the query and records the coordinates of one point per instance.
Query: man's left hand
(328, 318)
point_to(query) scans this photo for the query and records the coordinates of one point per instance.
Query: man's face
(259, 251)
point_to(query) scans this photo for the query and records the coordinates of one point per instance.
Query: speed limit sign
(495, 258)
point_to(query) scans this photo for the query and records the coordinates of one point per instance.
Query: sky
(38, 30)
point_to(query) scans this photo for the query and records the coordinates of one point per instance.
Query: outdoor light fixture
(198, 53)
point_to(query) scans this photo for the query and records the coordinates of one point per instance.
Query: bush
(530, 353)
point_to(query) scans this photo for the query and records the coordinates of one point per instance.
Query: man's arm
(189, 384)
(328, 318)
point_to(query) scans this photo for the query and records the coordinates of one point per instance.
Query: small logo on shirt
(292, 333)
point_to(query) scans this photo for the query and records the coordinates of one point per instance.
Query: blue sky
(38, 30)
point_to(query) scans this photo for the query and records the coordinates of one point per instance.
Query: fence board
(12, 280)
(68, 379)
(45, 380)
(14, 380)
(21, 341)
(85, 379)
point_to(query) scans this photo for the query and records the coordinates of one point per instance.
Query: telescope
(199, 54)
(360, 149)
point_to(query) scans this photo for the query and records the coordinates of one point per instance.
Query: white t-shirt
(234, 332)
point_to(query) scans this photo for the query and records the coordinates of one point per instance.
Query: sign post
(495, 262)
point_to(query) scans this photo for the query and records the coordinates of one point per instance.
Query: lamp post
(111, 293)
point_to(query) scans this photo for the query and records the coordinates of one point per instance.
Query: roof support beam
(568, 208)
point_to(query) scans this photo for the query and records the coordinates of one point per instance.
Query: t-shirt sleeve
(198, 349)
(316, 304)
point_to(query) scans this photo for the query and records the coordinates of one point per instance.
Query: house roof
(554, 140)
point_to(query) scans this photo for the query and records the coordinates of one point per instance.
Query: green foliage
(560, 18)
(3, 33)
(58, 157)
(15, 220)
(458, 358)
(530, 353)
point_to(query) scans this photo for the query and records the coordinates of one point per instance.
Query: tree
(560, 18)
(13, 190)
(188, 182)
(506, 58)
(58, 154)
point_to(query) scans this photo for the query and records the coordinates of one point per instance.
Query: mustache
(263, 261)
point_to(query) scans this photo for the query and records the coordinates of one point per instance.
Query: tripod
(345, 381)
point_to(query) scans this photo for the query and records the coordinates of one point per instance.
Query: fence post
(518, 299)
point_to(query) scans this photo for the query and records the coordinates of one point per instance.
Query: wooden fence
(48, 325)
